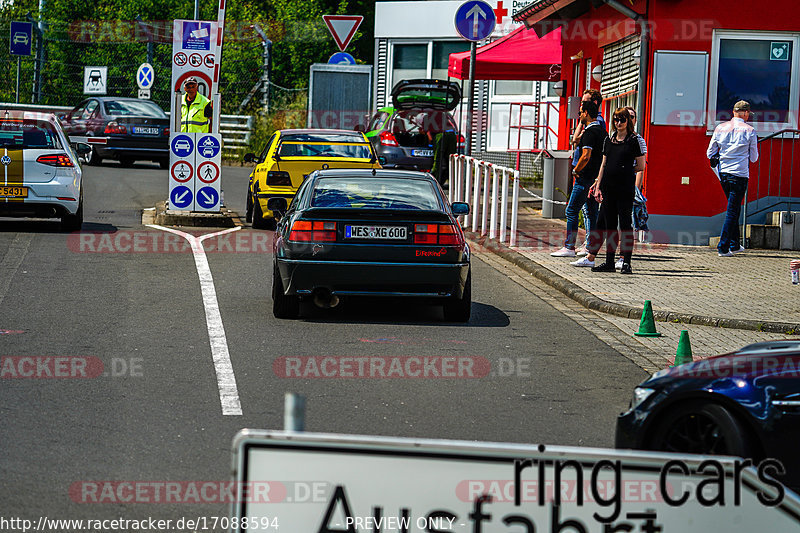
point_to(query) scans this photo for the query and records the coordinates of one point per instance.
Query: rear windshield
(293, 149)
(141, 108)
(27, 133)
(375, 193)
(324, 138)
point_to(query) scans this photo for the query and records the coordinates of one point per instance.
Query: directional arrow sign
(207, 197)
(181, 197)
(342, 27)
(475, 20)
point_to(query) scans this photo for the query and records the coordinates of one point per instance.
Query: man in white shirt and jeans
(736, 144)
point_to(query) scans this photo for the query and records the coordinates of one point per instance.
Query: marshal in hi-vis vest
(193, 119)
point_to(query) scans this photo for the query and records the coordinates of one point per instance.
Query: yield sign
(342, 27)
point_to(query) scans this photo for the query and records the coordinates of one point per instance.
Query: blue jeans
(577, 199)
(734, 188)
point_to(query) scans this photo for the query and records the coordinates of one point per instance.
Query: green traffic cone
(684, 353)
(647, 327)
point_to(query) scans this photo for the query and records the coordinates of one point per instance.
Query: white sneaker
(738, 250)
(582, 262)
(726, 254)
(618, 264)
(564, 252)
(583, 251)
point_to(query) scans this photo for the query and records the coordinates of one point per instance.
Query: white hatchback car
(40, 174)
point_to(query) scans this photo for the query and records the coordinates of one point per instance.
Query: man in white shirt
(736, 144)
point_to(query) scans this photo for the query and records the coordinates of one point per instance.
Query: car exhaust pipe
(324, 299)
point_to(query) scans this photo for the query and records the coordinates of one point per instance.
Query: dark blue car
(746, 404)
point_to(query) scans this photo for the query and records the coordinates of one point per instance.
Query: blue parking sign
(21, 38)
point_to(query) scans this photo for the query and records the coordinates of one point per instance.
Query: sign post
(19, 44)
(475, 21)
(345, 483)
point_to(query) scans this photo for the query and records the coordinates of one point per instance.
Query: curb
(224, 219)
(590, 301)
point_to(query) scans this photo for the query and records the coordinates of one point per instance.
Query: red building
(683, 64)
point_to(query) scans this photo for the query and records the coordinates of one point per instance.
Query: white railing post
(450, 177)
(485, 198)
(504, 206)
(514, 209)
(493, 218)
(476, 190)
(459, 178)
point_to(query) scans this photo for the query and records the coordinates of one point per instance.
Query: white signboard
(314, 483)
(95, 80)
(195, 171)
(194, 50)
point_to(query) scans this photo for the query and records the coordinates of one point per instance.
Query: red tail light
(166, 132)
(387, 139)
(462, 142)
(278, 177)
(446, 234)
(114, 127)
(313, 231)
(55, 160)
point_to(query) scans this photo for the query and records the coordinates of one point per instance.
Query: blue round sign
(181, 197)
(342, 58)
(182, 145)
(475, 20)
(207, 197)
(208, 146)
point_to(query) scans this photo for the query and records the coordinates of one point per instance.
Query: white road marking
(226, 380)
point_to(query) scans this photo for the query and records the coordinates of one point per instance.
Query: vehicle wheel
(258, 216)
(705, 428)
(459, 309)
(74, 222)
(92, 158)
(283, 306)
(126, 162)
(248, 216)
(163, 163)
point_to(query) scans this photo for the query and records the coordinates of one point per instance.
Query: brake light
(446, 234)
(114, 127)
(55, 160)
(387, 139)
(462, 142)
(278, 177)
(166, 132)
(313, 231)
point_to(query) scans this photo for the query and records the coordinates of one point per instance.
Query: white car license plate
(145, 131)
(375, 232)
(422, 153)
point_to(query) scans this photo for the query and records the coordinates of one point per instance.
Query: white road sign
(316, 483)
(95, 80)
(145, 76)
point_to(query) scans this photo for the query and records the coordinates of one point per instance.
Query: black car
(746, 404)
(125, 129)
(404, 135)
(354, 232)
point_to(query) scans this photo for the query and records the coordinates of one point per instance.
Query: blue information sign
(196, 35)
(207, 197)
(21, 38)
(342, 58)
(181, 197)
(182, 145)
(208, 146)
(475, 20)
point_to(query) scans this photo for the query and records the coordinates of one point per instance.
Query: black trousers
(615, 212)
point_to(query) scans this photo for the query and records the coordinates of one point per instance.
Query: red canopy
(520, 55)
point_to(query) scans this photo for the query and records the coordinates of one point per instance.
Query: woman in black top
(614, 187)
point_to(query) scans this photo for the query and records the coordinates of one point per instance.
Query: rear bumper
(399, 157)
(369, 278)
(147, 148)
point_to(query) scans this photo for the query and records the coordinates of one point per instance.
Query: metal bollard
(294, 412)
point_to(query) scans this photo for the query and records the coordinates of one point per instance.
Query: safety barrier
(484, 185)
(235, 129)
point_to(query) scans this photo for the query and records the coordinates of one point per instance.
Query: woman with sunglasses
(614, 188)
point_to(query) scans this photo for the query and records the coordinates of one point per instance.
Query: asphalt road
(154, 413)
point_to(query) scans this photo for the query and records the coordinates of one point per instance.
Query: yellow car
(290, 156)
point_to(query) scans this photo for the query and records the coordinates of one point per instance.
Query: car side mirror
(460, 208)
(250, 158)
(277, 205)
(360, 127)
(82, 149)
(382, 160)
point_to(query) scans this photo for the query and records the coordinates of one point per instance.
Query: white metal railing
(484, 185)
(235, 129)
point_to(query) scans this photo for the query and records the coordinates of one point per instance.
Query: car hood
(426, 94)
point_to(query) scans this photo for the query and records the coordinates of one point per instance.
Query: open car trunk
(418, 129)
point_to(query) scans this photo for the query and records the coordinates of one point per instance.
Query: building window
(620, 72)
(409, 61)
(760, 68)
(516, 88)
(441, 56)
